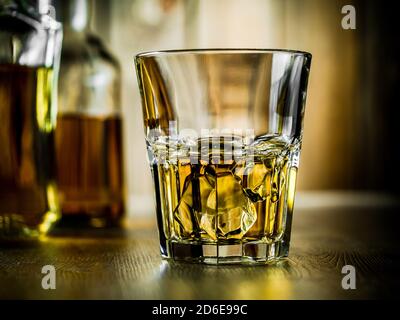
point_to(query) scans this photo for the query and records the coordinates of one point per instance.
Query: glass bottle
(89, 133)
(30, 44)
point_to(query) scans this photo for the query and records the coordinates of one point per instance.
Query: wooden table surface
(125, 264)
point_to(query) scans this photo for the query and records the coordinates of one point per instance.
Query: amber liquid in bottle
(28, 195)
(89, 169)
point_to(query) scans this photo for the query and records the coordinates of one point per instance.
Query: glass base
(217, 254)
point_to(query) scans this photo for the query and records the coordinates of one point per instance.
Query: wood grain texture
(125, 264)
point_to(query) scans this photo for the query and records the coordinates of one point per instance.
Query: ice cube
(207, 224)
(258, 180)
(216, 203)
(229, 192)
(183, 216)
(234, 223)
(183, 212)
(193, 202)
(230, 214)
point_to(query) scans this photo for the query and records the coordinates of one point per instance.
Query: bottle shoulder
(97, 44)
(87, 48)
(90, 77)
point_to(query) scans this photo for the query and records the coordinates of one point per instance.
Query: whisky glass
(30, 42)
(223, 131)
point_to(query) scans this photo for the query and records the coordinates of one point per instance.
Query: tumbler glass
(223, 131)
(30, 43)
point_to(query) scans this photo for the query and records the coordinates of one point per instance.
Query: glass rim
(169, 52)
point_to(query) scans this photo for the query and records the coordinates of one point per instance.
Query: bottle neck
(74, 15)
